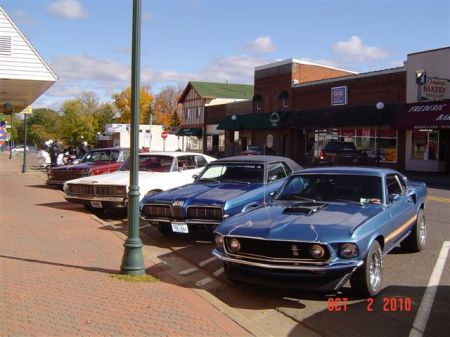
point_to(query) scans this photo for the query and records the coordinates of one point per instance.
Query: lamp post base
(133, 259)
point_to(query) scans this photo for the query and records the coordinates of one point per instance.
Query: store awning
(254, 121)
(425, 115)
(344, 116)
(190, 132)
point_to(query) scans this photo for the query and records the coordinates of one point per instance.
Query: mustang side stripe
(400, 229)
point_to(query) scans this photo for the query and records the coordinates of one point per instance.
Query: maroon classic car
(94, 162)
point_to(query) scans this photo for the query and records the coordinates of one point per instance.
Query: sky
(87, 43)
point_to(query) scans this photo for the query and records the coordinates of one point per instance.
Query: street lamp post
(133, 259)
(233, 118)
(379, 106)
(25, 140)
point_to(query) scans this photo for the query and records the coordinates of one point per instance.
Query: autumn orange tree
(166, 104)
(122, 102)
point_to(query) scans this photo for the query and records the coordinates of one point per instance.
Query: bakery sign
(434, 89)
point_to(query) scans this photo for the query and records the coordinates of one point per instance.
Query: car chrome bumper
(351, 265)
(108, 202)
(305, 277)
(187, 221)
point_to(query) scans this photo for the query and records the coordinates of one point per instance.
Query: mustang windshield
(155, 163)
(332, 187)
(234, 172)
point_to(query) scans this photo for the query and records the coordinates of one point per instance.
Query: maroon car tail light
(322, 155)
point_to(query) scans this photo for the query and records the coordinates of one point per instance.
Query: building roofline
(351, 77)
(293, 60)
(46, 65)
(427, 51)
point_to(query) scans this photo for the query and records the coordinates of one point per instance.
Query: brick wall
(269, 83)
(389, 88)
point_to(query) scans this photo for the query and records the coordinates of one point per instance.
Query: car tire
(367, 280)
(416, 240)
(165, 229)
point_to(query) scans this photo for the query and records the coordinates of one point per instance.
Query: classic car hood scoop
(307, 208)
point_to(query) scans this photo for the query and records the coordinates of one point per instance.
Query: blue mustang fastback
(225, 187)
(323, 227)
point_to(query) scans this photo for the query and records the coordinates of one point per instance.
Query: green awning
(190, 132)
(254, 121)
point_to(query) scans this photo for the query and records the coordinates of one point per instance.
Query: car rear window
(234, 172)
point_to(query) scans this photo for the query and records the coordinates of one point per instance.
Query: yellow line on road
(439, 199)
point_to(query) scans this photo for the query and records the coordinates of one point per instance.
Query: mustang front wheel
(367, 280)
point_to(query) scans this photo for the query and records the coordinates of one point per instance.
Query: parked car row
(273, 222)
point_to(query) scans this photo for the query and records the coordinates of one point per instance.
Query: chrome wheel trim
(375, 270)
(422, 229)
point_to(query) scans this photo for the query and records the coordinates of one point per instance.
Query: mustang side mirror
(195, 176)
(394, 196)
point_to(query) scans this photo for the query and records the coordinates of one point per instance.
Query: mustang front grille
(110, 190)
(64, 175)
(80, 189)
(158, 211)
(207, 213)
(101, 191)
(271, 250)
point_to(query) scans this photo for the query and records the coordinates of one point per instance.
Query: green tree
(42, 126)
(82, 118)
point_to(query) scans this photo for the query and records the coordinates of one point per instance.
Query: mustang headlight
(218, 239)
(317, 251)
(348, 250)
(235, 245)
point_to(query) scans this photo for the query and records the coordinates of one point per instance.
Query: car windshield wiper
(236, 181)
(299, 197)
(209, 180)
(350, 201)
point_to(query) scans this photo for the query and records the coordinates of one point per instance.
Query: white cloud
(82, 72)
(22, 18)
(355, 50)
(261, 44)
(147, 16)
(68, 9)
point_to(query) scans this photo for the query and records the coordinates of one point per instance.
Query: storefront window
(425, 145)
(366, 140)
(222, 143)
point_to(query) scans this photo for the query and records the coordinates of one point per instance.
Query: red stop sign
(164, 135)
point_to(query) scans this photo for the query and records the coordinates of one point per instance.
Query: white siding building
(24, 75)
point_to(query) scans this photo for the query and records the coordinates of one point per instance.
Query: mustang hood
(303, 222)
(205, 193)
(115, 178)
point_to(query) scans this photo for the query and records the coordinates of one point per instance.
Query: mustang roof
(375, 171)
(261, 159)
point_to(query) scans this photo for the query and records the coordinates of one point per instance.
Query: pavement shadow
(390, 314)
(96, 269)
(62, 205)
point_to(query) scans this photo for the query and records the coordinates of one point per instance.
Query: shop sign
(434, 89)
(339, 95)
(429, 107)
(274, 119)
(28, 110)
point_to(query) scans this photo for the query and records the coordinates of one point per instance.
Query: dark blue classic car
(225, 187)
(323, 227)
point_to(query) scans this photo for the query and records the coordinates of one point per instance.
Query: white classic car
(158, 171)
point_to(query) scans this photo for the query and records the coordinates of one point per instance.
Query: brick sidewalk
(55, 274)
